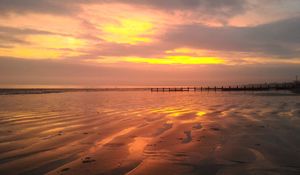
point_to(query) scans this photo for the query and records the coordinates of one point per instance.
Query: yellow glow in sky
(28, 52)
(129, 31)
(187, 51)
(177, 60)
(182, 51)
(45, 47)
(56, 41)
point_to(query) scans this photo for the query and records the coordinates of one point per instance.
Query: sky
(97, 43)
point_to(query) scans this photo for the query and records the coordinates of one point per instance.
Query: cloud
(49, 72)
(22, 31)
(277, 39)
(7, 40)
(35, 6)
(218, 10)
(225, 8)
(11, 35)
(124, 50)
(215, 6)
(280, 39)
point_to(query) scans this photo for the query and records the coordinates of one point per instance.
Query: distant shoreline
(250, 87)
(28, 91)
(23, 91)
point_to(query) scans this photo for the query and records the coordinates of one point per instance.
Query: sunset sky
(148, 42)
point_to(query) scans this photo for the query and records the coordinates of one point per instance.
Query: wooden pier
(259, 87)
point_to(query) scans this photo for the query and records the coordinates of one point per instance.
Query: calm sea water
(150, 133)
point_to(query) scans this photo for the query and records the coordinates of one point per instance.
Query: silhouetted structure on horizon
(292, 86)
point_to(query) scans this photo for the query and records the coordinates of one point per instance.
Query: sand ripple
(147, 133)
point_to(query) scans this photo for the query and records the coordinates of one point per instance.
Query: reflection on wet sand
(136, 148)
(131, 133)
(110, 138)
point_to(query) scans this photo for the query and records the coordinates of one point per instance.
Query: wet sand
(144, 133)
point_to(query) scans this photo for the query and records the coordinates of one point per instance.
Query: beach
(150, 133)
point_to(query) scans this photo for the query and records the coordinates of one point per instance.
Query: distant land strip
(250, 87)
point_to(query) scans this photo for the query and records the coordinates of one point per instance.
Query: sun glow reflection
(201, 113)
(184, 116)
